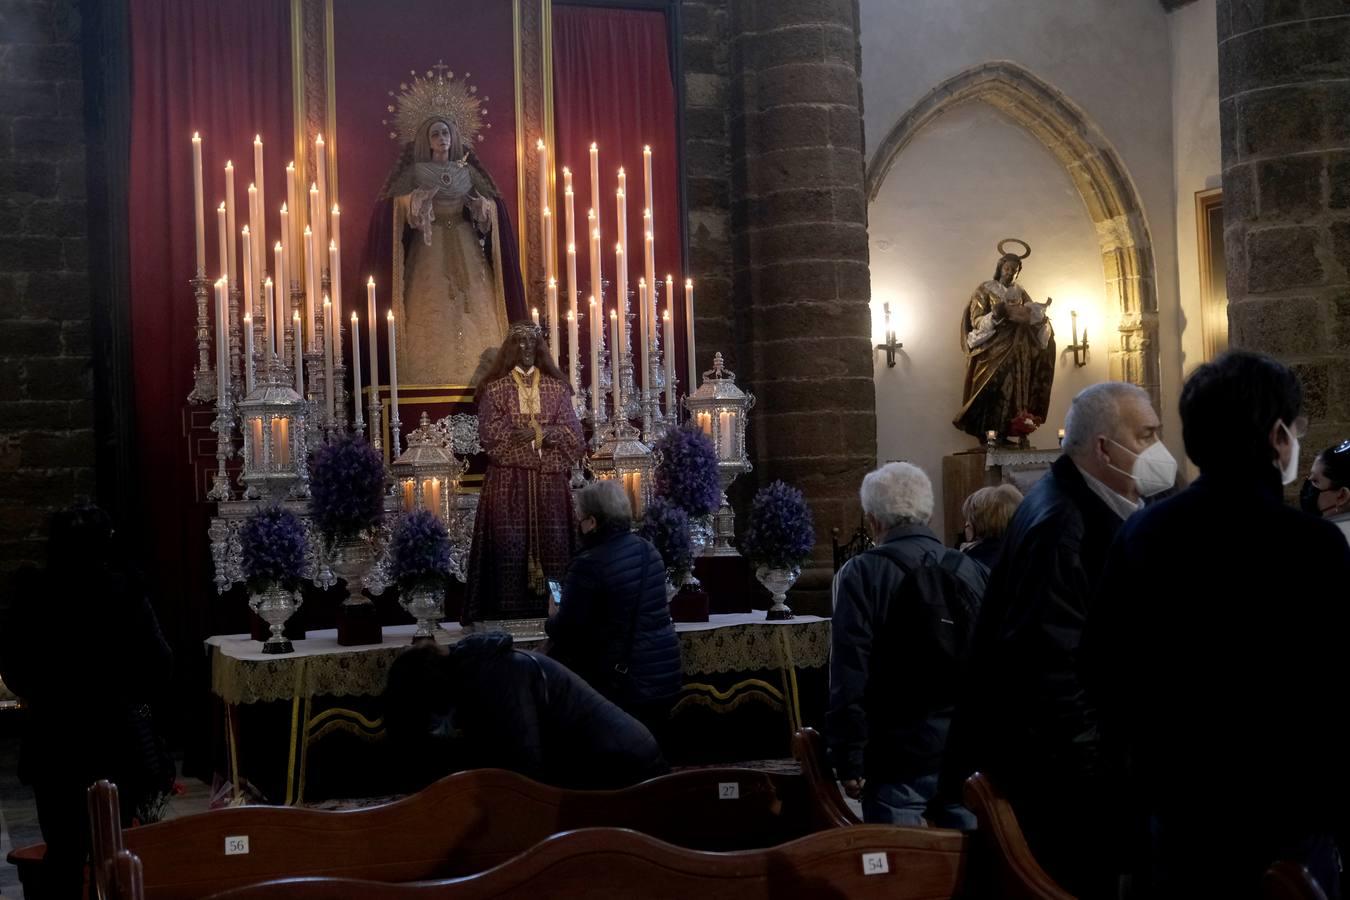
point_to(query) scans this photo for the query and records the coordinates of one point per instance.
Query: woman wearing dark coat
(80, 644)
(613, 626)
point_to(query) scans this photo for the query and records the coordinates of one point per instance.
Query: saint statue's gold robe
(1009, 365)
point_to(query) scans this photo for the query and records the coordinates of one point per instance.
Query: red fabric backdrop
(612, 84)
(376, 46)
(223, 69)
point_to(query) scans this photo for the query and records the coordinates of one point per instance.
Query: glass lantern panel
(256, 450)
(726, 434)
(704, 421)
(632, 486)
(431, 495)
(281, 440)
(409, 495)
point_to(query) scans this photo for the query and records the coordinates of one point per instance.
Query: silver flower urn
(350, 559)
(426, 605)
(274, 606)
(778, 581)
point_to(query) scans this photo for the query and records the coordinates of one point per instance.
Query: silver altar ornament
(427, 473)
(623, 456)
(720, 409)
(274, 606)
(276, 446)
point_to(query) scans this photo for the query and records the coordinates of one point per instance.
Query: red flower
(1024, 423)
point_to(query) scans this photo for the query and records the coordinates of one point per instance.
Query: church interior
(470, 448)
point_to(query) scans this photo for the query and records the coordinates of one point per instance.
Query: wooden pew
(868, 861)
(1287, 880)
(463, 824)
(829, 806)
(1006, 859)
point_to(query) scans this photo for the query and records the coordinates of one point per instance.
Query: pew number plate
(236, 845)
(728, 790)
(875, 864)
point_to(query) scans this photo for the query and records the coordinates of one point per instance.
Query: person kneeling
(482, 703)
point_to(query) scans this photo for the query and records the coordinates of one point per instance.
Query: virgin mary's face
(440, 137)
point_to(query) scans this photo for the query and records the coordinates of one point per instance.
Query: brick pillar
(1284, 88)
(46, 388)
(800, 263)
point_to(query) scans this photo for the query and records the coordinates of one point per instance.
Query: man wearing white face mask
(1027, 722)
(1214, 651)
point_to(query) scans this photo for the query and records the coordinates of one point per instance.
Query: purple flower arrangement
(272, 544)
(346, 487)
(687, 471)
(780, 533)
(667, 526)
(420, 551)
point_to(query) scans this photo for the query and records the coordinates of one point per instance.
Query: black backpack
(931, 619)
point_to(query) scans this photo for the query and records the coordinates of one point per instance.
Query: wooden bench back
(828, 804)
(462, 824)
(1287, 880)
(1014, 872)
(869, 861)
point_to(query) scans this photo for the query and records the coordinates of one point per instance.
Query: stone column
(1284, 89)
(800, 257)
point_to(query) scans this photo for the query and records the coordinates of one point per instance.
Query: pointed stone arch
(1095, 169)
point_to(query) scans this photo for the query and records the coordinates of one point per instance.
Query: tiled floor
(18, 815)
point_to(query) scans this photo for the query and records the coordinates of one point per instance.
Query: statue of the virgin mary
(456, 280)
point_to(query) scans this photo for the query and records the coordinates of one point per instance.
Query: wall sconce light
(1079, 348)
(891, 345)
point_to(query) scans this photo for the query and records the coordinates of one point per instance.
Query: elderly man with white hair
(902, 612)
(1027, 721)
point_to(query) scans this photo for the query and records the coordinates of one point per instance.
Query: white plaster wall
(1195, 130)
(1112, 58)
(965, 182)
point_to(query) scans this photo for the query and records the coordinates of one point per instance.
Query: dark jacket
(885, 720)
(1215, 650)
(613, 627)
(91, 687)
(1026, 719)
(985, 550)
(496, 706)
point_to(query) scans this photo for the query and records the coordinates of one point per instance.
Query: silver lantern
(720, 410)
(427, 474)
(273, 417)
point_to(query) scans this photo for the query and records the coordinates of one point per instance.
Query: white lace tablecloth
(737, 642)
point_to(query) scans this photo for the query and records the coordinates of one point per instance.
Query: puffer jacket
(613, 625)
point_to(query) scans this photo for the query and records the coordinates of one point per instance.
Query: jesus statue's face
(525, 346)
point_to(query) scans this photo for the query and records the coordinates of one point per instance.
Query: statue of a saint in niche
(1010, 355)
(456, 280)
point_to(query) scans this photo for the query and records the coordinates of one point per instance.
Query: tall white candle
(316, 226)
(597, 286)
(544, 218)
(667, 335)
(620, 306)
(649, 270)
(358, 420)
(248, 271)
(232, 272)
(254, 216)
(644, 355)
(647, 180)
(615, 382)
(311, 289)
(393, 381)
(299, 363)
(288, 236)
(336, 282)
(222, 230)
(248, 352)
(570, 233)
(550, 245)
(198, 204)
(278, 306)
(374, 347)
(534, 314)
(335, 264)
(329, 388)
(554, 324)
(689, 331)
(595, 184)
(273, 317)
(594, 313)
(284, 266)
(321, 184)
(621, 215)
(572, 295)
(573, 376)
(260, 227)
(222, 345)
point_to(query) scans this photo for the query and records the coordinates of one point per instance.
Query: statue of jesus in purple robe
(524, 533)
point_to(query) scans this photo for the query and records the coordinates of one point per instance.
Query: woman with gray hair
(613, 626)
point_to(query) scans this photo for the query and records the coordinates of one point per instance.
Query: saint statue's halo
(437, 95)
(1025, 247)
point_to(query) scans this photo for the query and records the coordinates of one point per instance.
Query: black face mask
(1307, 498)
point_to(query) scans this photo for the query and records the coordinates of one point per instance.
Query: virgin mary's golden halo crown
(437, 94)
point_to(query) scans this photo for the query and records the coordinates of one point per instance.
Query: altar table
(736, 643)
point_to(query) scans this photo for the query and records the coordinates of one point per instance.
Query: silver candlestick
(204, 379)
(223, 426)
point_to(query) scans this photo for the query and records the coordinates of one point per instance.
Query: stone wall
(1284, 89)
(778, 235)
(46, 382)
